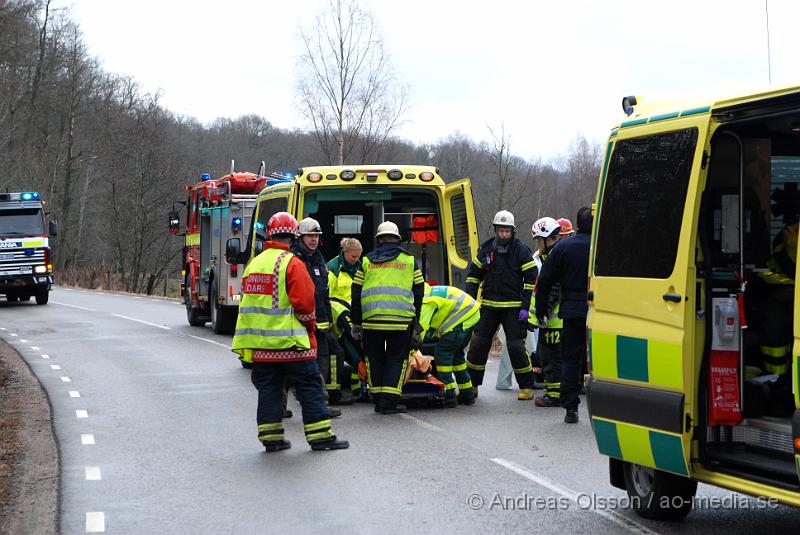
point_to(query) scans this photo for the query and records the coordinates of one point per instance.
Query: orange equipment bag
(425, 229)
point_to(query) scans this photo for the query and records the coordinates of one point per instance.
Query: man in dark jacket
(307, 249)
(568, 264)
(505, 268)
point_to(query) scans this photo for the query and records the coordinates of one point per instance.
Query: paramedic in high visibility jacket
(275, 331)
(306, 248)
(342, 269)
(568, 265)
(448, 317)
(546, 233)
(505, 269)
(386, 303)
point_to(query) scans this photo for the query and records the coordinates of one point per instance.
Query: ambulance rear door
(642, 291)
(460, 232)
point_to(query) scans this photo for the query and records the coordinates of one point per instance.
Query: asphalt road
(155, 422)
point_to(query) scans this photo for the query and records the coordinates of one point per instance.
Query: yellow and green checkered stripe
(640, 445)
(653, 362)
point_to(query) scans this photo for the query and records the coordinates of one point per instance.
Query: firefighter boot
(450, 399)
(546, 401)
(330, 444)
(474, 393)
(270, 447)
(335, 413)
(466, 397)
(571, 417)
(525, 394)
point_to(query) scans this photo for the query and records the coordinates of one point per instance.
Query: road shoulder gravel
(29, 460)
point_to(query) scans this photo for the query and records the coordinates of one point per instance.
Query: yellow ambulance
(693, 312)
(437, 220)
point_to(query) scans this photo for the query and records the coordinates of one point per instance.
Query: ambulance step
(766, 432)
(752, 460)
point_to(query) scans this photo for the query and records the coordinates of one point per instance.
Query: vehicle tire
(42, 296)
(246, 365)
(658, 495)
(11, 297)
(193, 314)
(216, 312)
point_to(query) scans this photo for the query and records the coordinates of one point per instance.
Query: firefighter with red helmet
(566, 228)
(275, 330)
(545, 233)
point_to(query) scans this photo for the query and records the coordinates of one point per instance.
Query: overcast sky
(547, 69)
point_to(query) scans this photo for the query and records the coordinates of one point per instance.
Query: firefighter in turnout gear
(504, 267)
(386, 303)
(545, 233)
(448, 317)
(306, 248)
(275, 331)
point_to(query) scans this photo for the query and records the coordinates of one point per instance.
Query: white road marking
(92, 473)
(87, 439)
(67, 289)
(74, 394)
(421, 423)
(73, 306)
(95, 522)
(3, 329)
(34, 348)
(45, 356)
(135, 297)
(616, 518)
(81, 413)
(66, 379)
(23, 341)
(101, 293)
(142, 321)
(55, 367)
(13, 334)
(226, 346)
(203, 392)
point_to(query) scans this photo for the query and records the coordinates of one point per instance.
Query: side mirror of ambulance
(232, 250)
(174, 222)
(52, 228)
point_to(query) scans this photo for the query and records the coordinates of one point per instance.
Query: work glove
(542, 320)
(357, 332)
(523, 315)
(416, 337)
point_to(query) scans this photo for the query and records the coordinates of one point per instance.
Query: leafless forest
(110, 160)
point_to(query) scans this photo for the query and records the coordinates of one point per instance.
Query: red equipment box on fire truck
(216, 210)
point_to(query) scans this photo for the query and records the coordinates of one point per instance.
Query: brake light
(234, 270)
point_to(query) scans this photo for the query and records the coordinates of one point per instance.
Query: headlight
(40, 269)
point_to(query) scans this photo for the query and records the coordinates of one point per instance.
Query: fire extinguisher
(723, 377)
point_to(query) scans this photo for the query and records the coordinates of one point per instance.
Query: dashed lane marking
(34, 348)
(226, 346)
(13, 334)
(74, 394)
(73, 306)
(23, 341)
(87, 439)
(421, 423)
(3, 329)
(92, 473)
(81, 413)
(55, 367)
(95, 522)
(66, 379)
(45, 356)
(142, 321)
(616, 518)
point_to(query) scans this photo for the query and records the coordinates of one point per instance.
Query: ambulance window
(347, 224)
(269, 207)
(458, 209)
(642, 207)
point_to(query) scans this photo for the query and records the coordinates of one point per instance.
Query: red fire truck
(216, 210)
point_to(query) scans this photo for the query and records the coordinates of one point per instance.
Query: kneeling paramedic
(386, 303)
(504, 267)
(448, 316)
(275, 331)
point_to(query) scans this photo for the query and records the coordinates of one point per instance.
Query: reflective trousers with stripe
(449, 360)
(386, 355)
(549, 355)
(775, 335)
(269, 378)
(516, 331)
(328, 360)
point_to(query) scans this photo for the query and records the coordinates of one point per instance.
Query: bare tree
(346, 85)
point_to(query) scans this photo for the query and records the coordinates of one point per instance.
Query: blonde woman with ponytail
(343, 268)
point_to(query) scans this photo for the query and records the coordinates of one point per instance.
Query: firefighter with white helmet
(275, 330)
(545, 233)
(387, 297)
(505, 269)
(307, 249)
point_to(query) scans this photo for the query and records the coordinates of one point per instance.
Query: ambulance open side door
(460, 232)
(642, 299)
